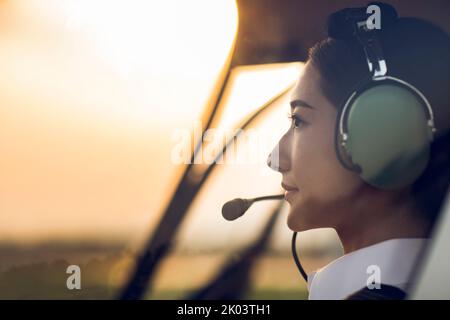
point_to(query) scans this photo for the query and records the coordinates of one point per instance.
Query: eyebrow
(300, 103)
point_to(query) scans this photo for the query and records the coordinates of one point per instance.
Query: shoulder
(386, 292)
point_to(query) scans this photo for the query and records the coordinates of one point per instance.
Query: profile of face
(320, 191)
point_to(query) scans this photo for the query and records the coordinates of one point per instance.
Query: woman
(381, 230)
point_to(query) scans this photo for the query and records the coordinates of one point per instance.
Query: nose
(270, 163)
(278, 159)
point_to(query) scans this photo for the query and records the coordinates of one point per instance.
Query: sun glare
(91, 92)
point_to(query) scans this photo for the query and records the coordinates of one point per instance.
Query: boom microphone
(237, 207)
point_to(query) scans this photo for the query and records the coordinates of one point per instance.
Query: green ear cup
(388, 136)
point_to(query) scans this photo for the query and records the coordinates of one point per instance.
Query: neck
(367, 227)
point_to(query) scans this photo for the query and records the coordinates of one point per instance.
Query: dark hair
(418, 52)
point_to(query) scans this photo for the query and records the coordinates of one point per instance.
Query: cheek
(326, 188)
(316, 169)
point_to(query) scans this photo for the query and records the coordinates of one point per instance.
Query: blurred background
(96, 97)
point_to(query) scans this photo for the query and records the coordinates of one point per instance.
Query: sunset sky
(91, 94)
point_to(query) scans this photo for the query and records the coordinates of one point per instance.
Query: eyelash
(294, 117)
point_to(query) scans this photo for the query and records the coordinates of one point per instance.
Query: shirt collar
(395, 260)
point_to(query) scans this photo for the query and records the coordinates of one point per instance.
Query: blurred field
(40, 273)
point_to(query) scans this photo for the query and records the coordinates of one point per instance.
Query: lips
(290, 191)
(288, 188)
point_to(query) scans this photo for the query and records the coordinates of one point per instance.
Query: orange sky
(91, 92)
(86, 109)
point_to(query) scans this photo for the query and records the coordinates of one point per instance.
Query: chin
(301, 219)
(296, 223)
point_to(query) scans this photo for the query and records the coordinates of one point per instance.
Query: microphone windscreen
(235, 208)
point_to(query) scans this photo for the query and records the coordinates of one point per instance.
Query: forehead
(307, 87)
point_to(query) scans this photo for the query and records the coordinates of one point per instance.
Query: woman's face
(320, 190)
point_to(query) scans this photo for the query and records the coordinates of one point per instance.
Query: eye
(296, 120)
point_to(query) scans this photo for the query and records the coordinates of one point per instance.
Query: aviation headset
(385, 127)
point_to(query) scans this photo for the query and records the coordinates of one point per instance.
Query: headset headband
(351, 23)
